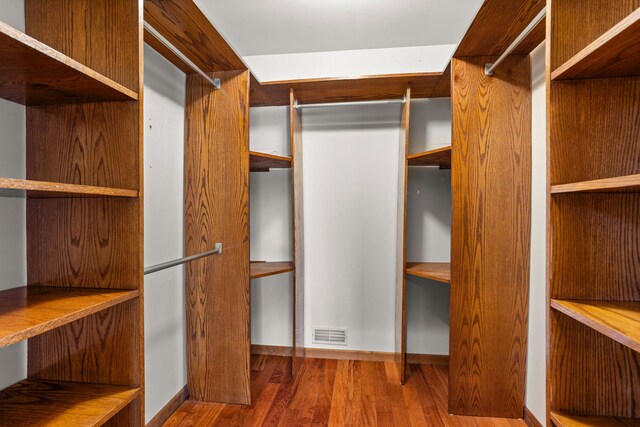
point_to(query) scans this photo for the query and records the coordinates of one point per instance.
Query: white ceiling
(265, 27)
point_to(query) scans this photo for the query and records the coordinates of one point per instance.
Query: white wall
(13, 256)
(536, 355)
(165, 334)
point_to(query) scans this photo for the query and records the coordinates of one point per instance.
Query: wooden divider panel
(217, 210)
(491, 180)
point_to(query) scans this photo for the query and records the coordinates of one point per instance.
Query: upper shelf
(614, 54)
(621, 184)
(439, 271)
(262, 162)
(56, 189)
(35, 74)
(264, 269)
(438, 157)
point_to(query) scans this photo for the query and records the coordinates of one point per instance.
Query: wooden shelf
(621, 184)
(438, 157)
(264, 269)
(614, 54)
(58, 403)
(35, 74)
(439, 271)
(619, 321)
(562, 420)
(32, 310)
(55, 189)
(262, 162)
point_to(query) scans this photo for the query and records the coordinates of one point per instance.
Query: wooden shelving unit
(262, 162)
(439, 271)
(438, 157)
(54, 189)
(594, 174)
(264, 269)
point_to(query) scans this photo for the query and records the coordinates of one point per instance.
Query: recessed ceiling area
(261, 27)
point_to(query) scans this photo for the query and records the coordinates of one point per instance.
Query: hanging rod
(489, 68)
(214, 81)
(345, 104)
(175, 262)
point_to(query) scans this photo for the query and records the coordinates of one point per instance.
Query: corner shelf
(62, 403)
(264, 269)
(562, 420)
(56, 189)
(439, 271)
(614, 54)
(32, 310)
(35, 74)
(619, 321)
(262, 162)
(621, 184)
(438, 157)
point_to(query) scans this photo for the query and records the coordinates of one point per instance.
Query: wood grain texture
(167, 53)
(28, 311)
(497, 24)
(217, 210)
(167, 410)
(297, 201)
(440, 271)
(531, 419)
(262, 162)
(362, 88)
(55, 189)
(562, 420)
(436, 157)
(55, 403)
(491, 178)
(401, 246)
(184, 25)
(614, 54)
(443, 88)
(622, 184)
(264, 269)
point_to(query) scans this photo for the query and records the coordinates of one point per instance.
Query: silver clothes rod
(175, 262)
(489, 68)
(345, 104)
(215, 82)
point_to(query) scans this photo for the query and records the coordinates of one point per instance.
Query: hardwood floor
(336, 393)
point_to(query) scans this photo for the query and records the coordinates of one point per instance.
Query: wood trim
(271, 350)
(167, 410)
(428, 359)
(530, 419)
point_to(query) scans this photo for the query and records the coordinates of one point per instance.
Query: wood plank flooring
(336, 393)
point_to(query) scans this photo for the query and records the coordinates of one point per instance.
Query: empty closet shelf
(439, 271)
(264, 269)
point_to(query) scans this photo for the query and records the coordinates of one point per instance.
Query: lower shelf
(264, 269)
(561, 420)
(59, 403)
(439, 271)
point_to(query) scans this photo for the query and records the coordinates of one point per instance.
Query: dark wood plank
(264, 269)
(262, 162)
(170, 408)
(167, 53)
(562, 420)
(443, 88)
(217, 209)
(56, 189)
(440, 271)
(491, 175)
(436, 157)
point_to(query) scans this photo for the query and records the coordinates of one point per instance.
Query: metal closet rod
(344, 104)
(214, 81)
(179, 261)
(489, 68)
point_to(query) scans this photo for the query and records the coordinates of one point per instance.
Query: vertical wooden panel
(491, 180)
(401, 303)
(295, 136)
(217, 210)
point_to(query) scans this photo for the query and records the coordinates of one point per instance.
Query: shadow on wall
(378, 116)
(168, 81)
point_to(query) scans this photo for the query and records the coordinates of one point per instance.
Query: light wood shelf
(35, 74)
(58, 403)
(56, 189)
(614, 54)
(620, 184)
(262, 162)
(264, 269)
(562, 420)
(619, 321)
(438, 157)
(32, 310)
(439, 271)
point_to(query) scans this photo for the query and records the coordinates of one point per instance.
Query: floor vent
(332, 336)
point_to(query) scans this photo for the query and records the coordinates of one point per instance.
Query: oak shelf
(438, 157)
(32, 310)
(262, 162)
(439, 271)
(614, 54)
(617, 320)
(562, 420)
(35, 74)
(620, 184)
(56, 189)
(264, 269)
(59, 403)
